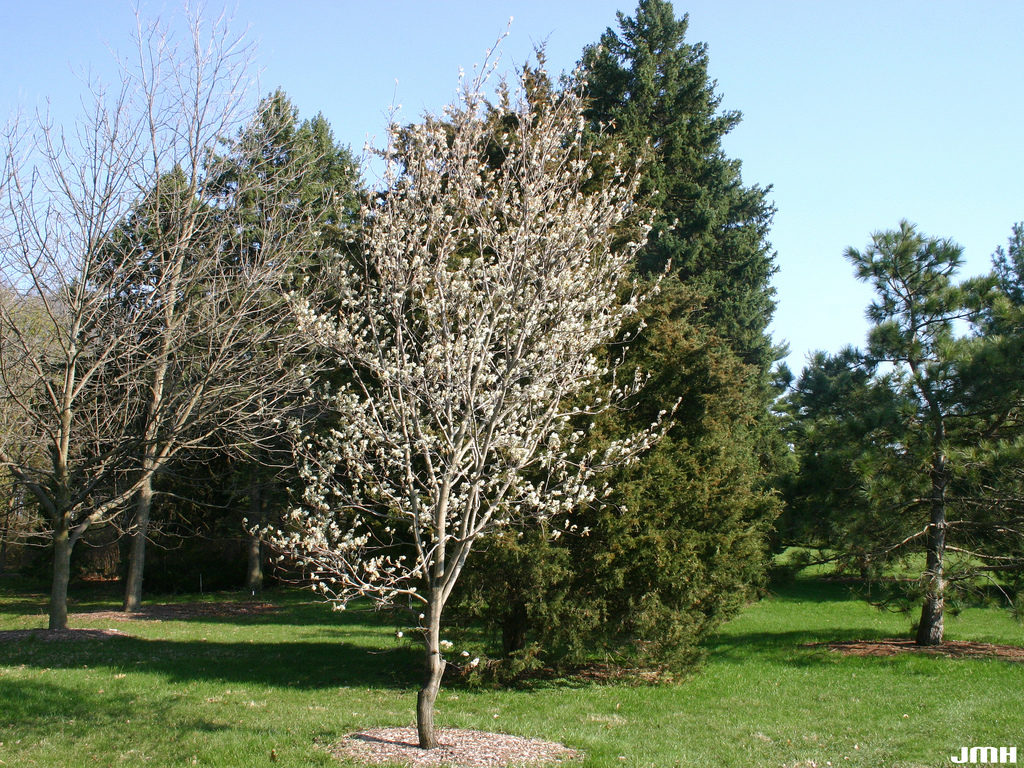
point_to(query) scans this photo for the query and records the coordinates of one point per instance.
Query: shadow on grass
(25, 606)
(796, 648)
(817, 591)
(33, 706)
(825, 621)
(285, 607)
(312, 665)
(36, 711)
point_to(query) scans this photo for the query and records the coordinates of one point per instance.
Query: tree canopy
(905, 447)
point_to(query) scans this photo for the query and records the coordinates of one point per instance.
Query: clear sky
(858, 114)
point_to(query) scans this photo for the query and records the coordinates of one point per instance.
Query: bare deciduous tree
(472, 334)
(143, 311)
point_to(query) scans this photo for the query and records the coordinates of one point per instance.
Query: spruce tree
(651, 88)
(291, 176)
(684, 542)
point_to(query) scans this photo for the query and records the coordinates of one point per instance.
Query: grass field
(225, 692)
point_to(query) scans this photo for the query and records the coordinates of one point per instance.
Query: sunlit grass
(225, 692)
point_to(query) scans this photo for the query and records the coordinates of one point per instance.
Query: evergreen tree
(685, 541)
(278, 177)
(837, 410)
(910, 450)
(652, 90)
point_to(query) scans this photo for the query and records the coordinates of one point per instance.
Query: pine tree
(279, 177)
(910, 450)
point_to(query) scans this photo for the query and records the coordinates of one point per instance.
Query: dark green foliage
(1008, 265)
(650, 89)
(682, 544)
(301, 158)
(323, 180)
(687, 541)
(836, 411)
(279, 176)
(709, 344)
(910, 451)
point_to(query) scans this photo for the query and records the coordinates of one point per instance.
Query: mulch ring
(459, 748)
(183, 611)
(61, 635)
(957, 649)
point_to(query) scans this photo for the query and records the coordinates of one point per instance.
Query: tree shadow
(269, 608)
(36, 705)
(804, 590)
(25, 606)
(794, 648)
(302, 665)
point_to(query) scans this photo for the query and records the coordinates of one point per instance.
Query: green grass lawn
(225, 692)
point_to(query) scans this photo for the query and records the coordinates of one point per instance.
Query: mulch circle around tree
(458, 749)
(957, 649)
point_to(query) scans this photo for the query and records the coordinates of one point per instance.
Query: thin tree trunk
(254, 572)
(11, 502)
(61, 576)
(930, 628)
(432, 680)
(137, 556)
(144, 496)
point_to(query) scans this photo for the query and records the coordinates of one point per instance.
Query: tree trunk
(137, 556)
(61, 576)
(426, 698)
(254, 571)
(929, 629)
(513, 629)
(7, 529)
(432, 679)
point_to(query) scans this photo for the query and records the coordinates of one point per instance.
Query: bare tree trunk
(61, 576)
(11, 502)
(929, 630)
(254, 572)
(432, 680)
(137, 556)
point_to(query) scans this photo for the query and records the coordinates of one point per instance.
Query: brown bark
(434, 671)
(930, 628)
(137, 555)
(61, 577)
(427, 697)
(7, 530)
(254, 571)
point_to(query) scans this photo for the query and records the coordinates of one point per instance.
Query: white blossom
(472, 338)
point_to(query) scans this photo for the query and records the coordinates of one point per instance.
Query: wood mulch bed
(183, 611)
(957, 649)
(458, 749)
(62, 635)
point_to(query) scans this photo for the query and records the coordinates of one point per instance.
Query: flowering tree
(471, 333)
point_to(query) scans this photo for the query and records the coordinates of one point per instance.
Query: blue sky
(858, 114)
